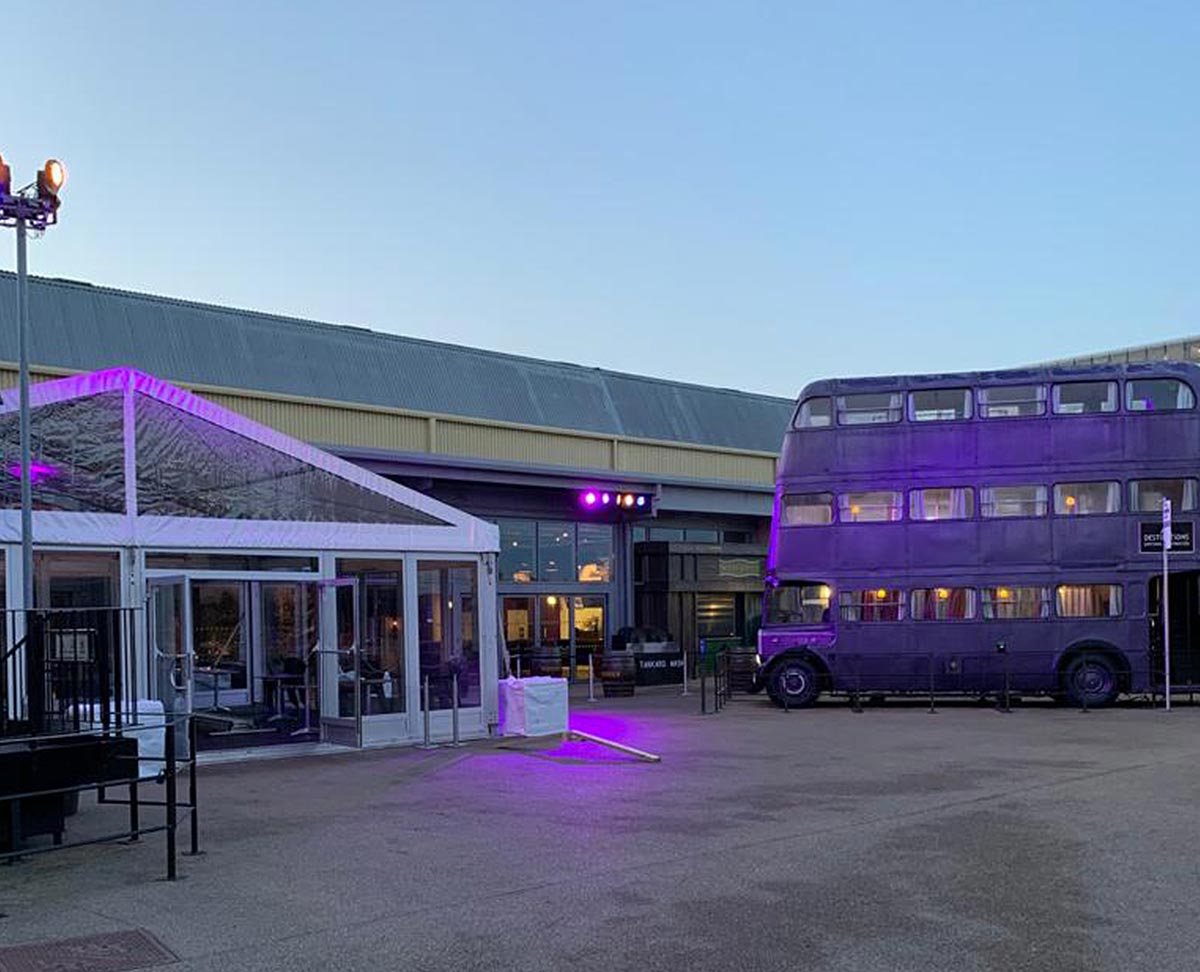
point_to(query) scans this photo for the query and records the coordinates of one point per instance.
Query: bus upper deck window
(1004, 501)
(815, 413)
(807, 509)
(1147, 495)
(1087, 499)
(1158, 395)
(939, 404)
(875, 408)
(874, 506)
(1085, 397)
(1012, 401)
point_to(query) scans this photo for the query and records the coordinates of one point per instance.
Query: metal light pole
(36, 207)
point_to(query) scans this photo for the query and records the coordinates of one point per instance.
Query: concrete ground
(819, 840)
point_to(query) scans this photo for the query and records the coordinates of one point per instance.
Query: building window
(517, 560)
(1004, 501)
(639, 534)
(1085, 397)
(808, 509)
(556, 550)
(1087, 499)
(1012, 401)
(716, 616)
(815, 413)
(878, 604)
(737, 536)
(1147, 495)
(939, 404)
(875, 408)
(943, 604)
(951, 503)
(668, 534)
(1158, 395)
(1015, 603)
(878, 506)
(692, 535)
(1088, 600)
(594, 559)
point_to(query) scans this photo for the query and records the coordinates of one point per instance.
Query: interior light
(1070, 502)
(1002, 593)
(450, 605)
(942, 593)
(552, 600)
(823, 592)
(881, 594)
(854, 511)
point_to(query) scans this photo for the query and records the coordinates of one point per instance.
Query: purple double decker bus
(956, 533)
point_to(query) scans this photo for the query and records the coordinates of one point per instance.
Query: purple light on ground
(589, 498)
(37, 471)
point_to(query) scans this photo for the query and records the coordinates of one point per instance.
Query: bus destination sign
(1181, 537)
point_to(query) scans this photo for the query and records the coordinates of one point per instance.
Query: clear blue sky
(741, 194)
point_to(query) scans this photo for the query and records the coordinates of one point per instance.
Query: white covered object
(533, 706)
(148, 727)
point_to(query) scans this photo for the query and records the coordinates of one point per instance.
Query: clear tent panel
(77, 450)
(189, 466)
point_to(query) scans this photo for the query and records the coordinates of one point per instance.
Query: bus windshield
(799, 602)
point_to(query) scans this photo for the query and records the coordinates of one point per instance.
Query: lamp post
(33, 207)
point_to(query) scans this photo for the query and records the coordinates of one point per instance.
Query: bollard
(591, 677)
(133, 812)
(685, 685)
(932, 688)
(428, 743)
(171, 801)
(703, 690)
(518, 666)
(195, 814)
(455, 742)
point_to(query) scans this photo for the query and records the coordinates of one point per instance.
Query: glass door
(340, 670)
(448, 632)
(169, 644)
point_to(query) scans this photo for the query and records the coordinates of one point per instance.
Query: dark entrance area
(1184, 620)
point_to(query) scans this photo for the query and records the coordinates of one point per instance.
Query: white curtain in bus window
(877, 604)
(808, 509)
(939, 404)
(1015, 603)
(875, 506)
(1087, 499)
(943, 603)
(949, 503)
(1012, 401)
(1085, 397)
(874, 408)
(1004, 501)
(815, 413)
(1088, 600)
(1146, 495)
(1158, 395)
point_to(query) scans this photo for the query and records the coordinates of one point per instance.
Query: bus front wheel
(1092, 679)
(794, 683)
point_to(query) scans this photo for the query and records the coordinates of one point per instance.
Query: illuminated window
(1012, 401)
(939, 404)
(594, 553)
(1146, 495)
(943, 604)
(876, 506)
(949, 503)
(802, 603)
(518, 556)
(815, 413)
(875, 408)
(1088, 600)
(875, 604)
(1015, 603)
(808, 509)
(1087, 499)
(1158, 395)
(1085, 397)
(1005, 501)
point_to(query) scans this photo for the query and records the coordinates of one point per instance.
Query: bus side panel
(868, 546)
(1156, 436)
(1009, 541)
(1086, 439)
(942, 541)
(1088, 539)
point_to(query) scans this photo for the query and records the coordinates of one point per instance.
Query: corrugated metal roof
(85, 327)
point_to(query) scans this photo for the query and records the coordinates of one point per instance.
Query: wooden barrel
(547, 661)
(742, 664)
(618, 671)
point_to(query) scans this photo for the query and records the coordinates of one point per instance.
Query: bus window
(871, 409)
(1011, 401)
(1086, 499)
(939, 404)
(1004, 501)
(953, 503)
(1146, 495)
(1085, 397)
(877, 506)
(879, 604)
(943, 604)
(815, 413)
(802, 603)
(808, 509)
(1015, 603)
(1088, 600)
(1158, 395)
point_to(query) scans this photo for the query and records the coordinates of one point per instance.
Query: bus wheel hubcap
(794, 681)
(1093, 680)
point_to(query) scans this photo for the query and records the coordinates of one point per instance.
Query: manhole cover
(112, 952)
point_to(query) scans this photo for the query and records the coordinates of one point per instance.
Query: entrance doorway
(1184, 624)
(554, 634)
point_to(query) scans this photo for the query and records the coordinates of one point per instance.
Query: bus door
(1185, 627)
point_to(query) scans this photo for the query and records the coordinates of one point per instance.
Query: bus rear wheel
(794, 684)
(1092, 679)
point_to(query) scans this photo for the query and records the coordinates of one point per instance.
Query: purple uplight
(37, 471)
(589, 498)
(605, 498)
